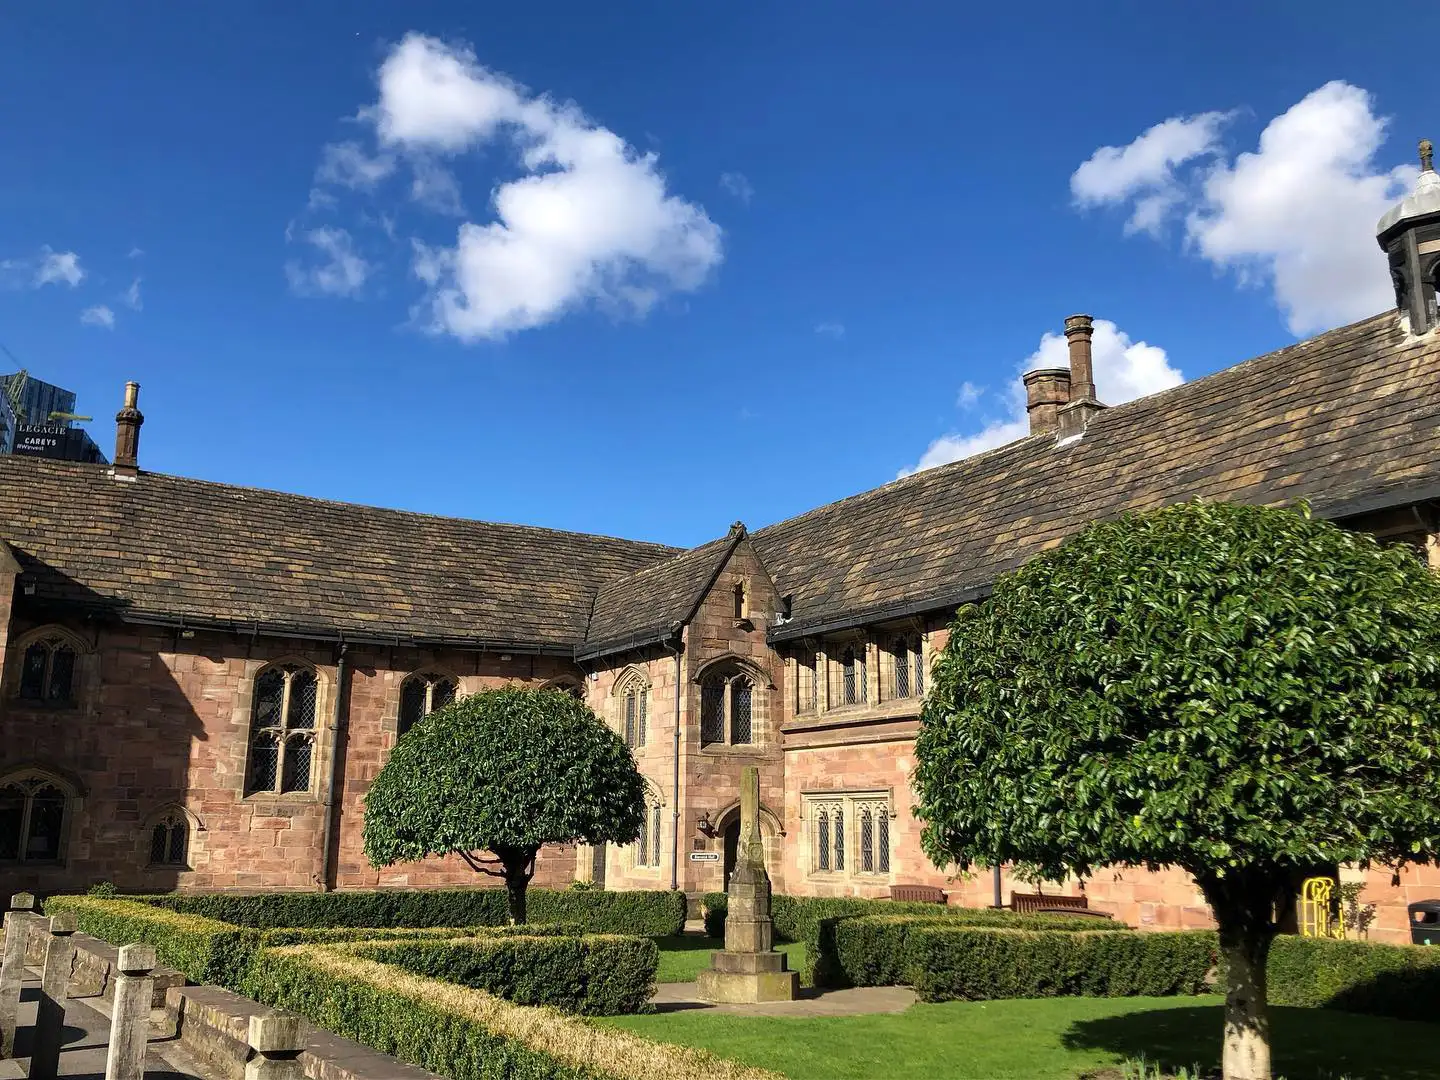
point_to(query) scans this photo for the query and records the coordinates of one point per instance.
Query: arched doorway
(732, 850)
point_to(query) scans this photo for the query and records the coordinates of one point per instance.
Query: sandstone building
(200, 681)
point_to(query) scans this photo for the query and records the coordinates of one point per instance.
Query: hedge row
(648, 914)
(1402, 981)
(203, 950)
(596, 975)
(462, 1033)
(803, 918)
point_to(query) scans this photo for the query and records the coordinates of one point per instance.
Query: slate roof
(1349, 420)
(1349, 416)
(212, 553)
(649, 602)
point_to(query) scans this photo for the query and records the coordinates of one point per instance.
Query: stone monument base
(747, 978)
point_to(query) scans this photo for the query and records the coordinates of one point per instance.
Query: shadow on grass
(1306, 1044)
(689, 943)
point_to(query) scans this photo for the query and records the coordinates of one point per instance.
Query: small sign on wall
(704, 856)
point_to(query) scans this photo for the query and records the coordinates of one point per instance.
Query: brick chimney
(1046, 391)
(127, 435)
(1075, 417)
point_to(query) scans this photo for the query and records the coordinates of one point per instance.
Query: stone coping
(94, 969)
(213, 1025)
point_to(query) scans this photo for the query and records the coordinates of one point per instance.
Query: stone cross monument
(749, 969)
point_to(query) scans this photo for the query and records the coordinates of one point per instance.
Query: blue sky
(643, 269)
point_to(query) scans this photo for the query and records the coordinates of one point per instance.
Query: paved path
(87, 1034)
(676, 997)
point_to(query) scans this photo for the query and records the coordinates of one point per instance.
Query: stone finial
(63, 923)
(1427, 156)
(22, 901)
(136, 959)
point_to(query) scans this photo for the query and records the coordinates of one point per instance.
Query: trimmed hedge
(1402, 981)
(203, 950)
(596, 975)
(979, 964)
(462, 1033)
(648, 914)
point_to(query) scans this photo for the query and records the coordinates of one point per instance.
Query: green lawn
(684, 957)
(1046, 1039)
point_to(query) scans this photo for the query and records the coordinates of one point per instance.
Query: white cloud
(738, 184)
(1300, 212)
(136, 253)
(58, 267)
(830, 329)
(1145, 169)
(589, 221)
(99, 315)
(1124, 370)
(347, 164)
(131, 296)
(969, 395)
(341, 272)
(1297, 215)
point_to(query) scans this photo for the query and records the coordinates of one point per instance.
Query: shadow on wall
(85, 783)
(1307, 1044)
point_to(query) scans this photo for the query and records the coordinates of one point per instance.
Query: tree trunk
(519, 869)
(1247, 1019)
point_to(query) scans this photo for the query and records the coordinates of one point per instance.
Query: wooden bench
(1038, 904)
(917, 894)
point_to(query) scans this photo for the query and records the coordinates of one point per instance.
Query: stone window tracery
(47, 671)
(849, 834)
(34, 814)
(727, 708)
(633, 698)
(282, 741)
(170, 840)
(420, 695)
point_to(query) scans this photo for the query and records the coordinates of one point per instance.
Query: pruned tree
(503, 772)
(1238, 691)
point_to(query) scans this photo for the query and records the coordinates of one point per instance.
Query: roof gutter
(634, 641)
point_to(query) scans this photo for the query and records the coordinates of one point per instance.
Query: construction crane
(68, 417)
(15, 391)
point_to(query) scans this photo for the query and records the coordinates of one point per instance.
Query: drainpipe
(675, 784)
(337, 724)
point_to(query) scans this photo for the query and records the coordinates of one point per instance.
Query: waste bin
(1425, 922)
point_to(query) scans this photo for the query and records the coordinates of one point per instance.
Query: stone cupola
(1409, 234)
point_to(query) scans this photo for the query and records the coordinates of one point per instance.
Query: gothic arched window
(34, 808)
(632, 695)
(420, 695)
(47, 671)
(282, 731)
(727, 708)
(170, 840)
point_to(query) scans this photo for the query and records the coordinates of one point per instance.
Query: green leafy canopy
(1210, 686)
(512, 768)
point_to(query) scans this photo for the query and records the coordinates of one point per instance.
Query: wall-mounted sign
(54, 441)
(704, 856)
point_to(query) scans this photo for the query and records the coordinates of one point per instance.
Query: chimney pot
(127, 434)
(1047, 390)
(1075, 416)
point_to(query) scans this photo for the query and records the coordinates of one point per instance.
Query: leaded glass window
(420, 695)
(170, 840)
(33, 812)
(655, 836)
(807, 686)
(282, 741)
(712, 713)
(727, 709)
(642, 845)
(907, 655)
(852, 676)
(636, 706)
(47, 672)
(863, 848)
